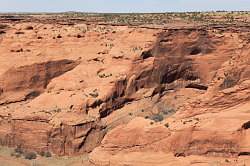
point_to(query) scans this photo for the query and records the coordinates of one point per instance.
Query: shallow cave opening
(197, 86)
(195, 51)
(246, 125)
(2, 32)
(146, 54)
(244, 154)
(32, 95)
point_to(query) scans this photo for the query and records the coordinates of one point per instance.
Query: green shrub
(157, 118)
(168, 111)
(48, 154)
(30, 155)
(45, 154)
(18, 150)
(231, 79)
(42, 153)
(228, 83)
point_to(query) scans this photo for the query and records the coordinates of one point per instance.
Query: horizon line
(92, 12)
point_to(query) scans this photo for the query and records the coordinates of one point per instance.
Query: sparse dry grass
(217, 17)
(6, 159)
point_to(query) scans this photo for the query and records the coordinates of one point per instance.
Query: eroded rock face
(26, 82)
(170, 60)
(49, 103)
(41, 135)
(148, 139)
(214, 124)
(50, 98)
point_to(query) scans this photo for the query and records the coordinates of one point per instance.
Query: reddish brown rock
(64, 92)
(26, 82)
(213, 124)
(61, 138)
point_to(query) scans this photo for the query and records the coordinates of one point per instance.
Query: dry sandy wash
(126, 95)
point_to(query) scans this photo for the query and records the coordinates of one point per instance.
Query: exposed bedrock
(141, 137)
(213, 124)
(170, 64)
(26, 82)
(186, 58)
(40, 135)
